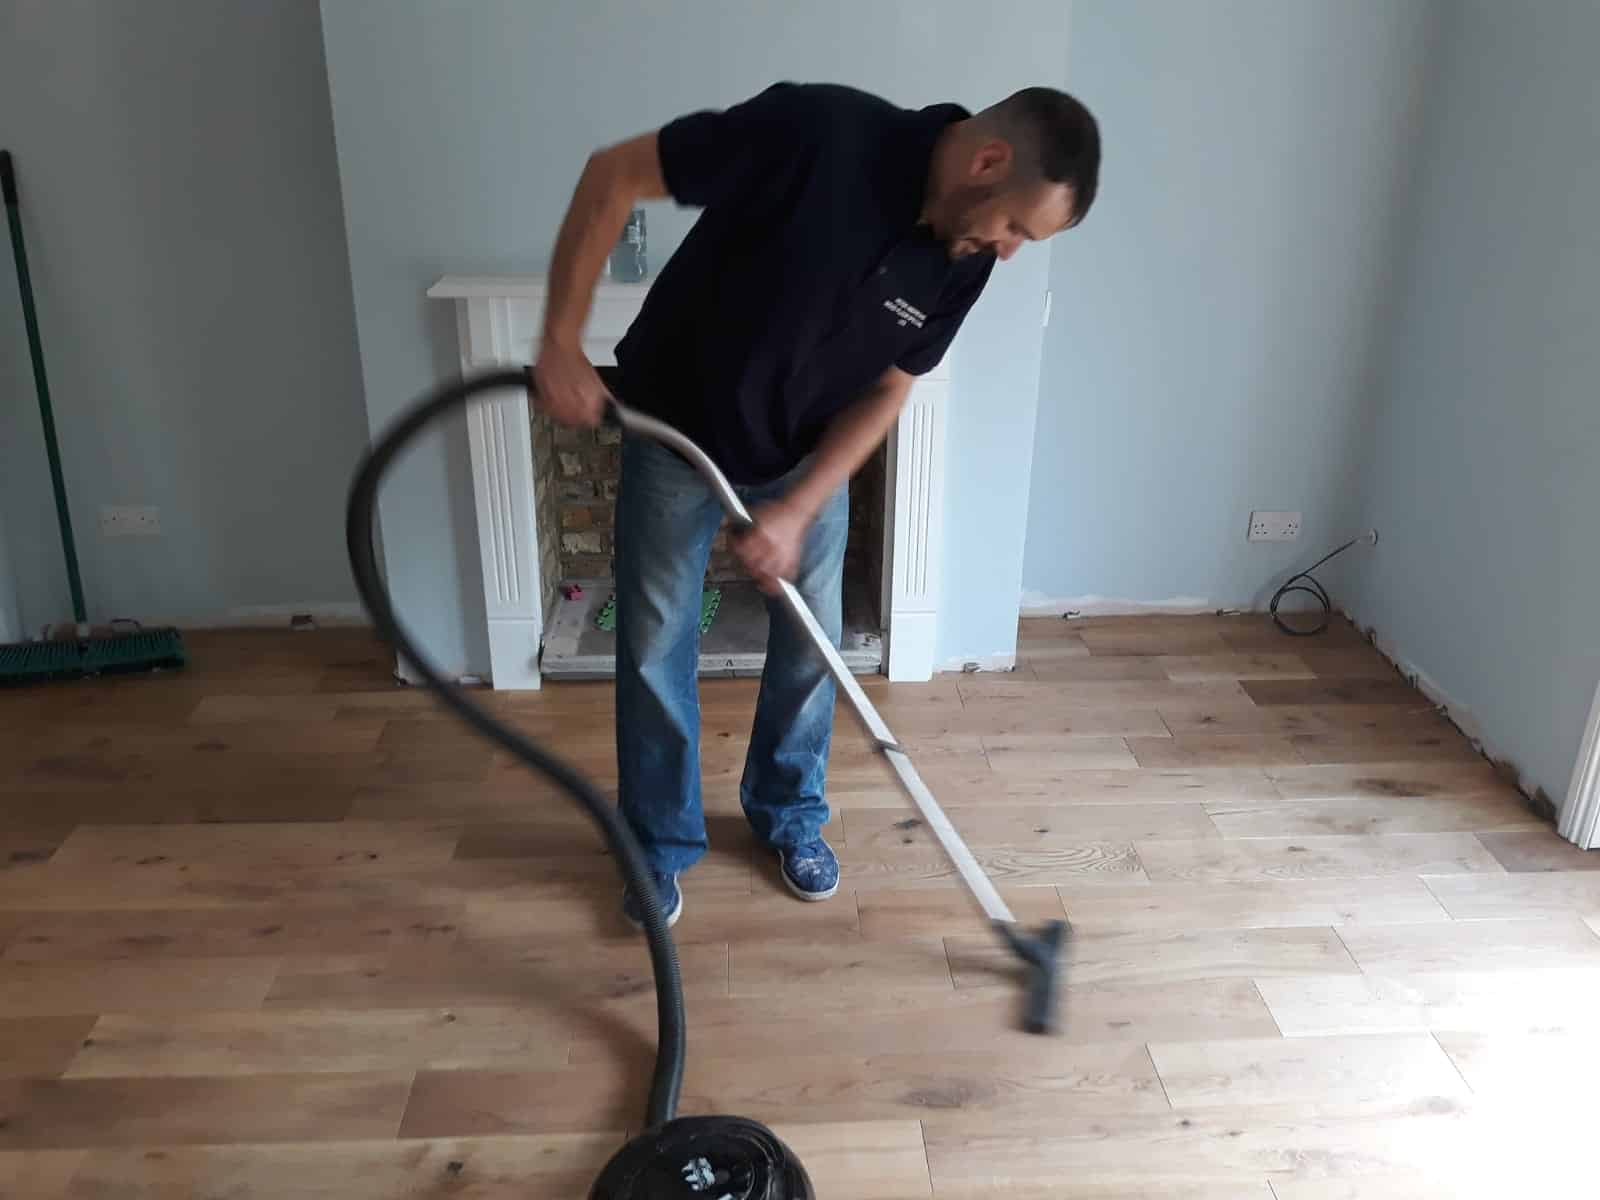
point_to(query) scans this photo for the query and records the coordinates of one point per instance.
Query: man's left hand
(771, 550)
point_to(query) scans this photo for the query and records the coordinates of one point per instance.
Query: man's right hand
(567, 386)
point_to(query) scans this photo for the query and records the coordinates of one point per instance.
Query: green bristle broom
(84, 652)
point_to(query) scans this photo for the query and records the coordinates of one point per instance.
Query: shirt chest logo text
(905, 313)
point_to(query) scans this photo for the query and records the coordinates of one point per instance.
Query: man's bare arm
(614, 180)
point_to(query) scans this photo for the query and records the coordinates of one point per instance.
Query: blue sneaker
(810, 869)
(669, 896)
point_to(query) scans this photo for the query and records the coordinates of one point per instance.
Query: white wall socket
(1274, 526)
(124, 521)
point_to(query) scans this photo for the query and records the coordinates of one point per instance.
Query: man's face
(988, 212)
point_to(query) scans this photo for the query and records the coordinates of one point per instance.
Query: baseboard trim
(1035, 604)
(279, 616)
(1005, 661)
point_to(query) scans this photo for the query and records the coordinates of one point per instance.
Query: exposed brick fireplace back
(576, 473)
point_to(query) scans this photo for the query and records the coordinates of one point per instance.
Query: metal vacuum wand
(1041, 953)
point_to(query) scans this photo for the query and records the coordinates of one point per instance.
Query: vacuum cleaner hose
(359, 531)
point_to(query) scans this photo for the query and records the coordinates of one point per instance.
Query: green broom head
(113, 654)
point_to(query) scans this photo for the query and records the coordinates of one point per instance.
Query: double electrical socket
(122, 521)
(1274, 526)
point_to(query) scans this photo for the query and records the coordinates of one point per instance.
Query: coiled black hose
(359, 528)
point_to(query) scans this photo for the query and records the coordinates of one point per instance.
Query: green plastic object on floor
(710, 601)
(84, 654)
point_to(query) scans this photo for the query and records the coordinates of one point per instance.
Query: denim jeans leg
(783, 790)
(666, 518)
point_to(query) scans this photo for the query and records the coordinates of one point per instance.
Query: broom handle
(8, 184)
(972, 874)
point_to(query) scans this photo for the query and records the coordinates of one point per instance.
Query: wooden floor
(274, 927)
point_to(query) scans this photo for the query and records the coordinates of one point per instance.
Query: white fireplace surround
(497, 318)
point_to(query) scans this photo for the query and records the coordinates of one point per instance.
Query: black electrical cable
(1311, 587)
(359, 528)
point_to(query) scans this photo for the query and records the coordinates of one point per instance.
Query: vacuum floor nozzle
(1041, 954)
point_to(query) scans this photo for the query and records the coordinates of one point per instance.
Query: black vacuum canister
(704, 1158)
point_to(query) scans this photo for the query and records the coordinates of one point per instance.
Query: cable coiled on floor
(667, 1080)
(1312, 587)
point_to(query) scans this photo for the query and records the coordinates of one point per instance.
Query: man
(842, 241)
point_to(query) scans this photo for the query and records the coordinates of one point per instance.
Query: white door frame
(1580, 815)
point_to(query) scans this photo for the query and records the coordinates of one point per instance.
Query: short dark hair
(1056, 138)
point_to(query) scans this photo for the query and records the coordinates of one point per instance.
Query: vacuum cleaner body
(704, 1158)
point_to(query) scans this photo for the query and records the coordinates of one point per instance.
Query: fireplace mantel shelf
(497, 317)
(522, 287)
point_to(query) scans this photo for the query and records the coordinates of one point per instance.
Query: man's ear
(991, 162)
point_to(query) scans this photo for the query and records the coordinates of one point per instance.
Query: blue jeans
(666, 519)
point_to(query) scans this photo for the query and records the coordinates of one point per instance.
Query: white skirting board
(265, 616)
(999, 661)
(1036, 604)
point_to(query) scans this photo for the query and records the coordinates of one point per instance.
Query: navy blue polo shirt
(806, 275)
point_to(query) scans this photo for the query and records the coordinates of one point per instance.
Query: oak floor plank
(144, 935)
(1249, 904)
(41, 1047)
(1333, 691)
(1055, 668)
(315, 1040)
(915, 866)
(1214, 750)
(1149, 690)
(853, 965)
(493, 973)
(1473, 946)
(1204, 667)
(978, 1019)
(1024, 756)
(1003, 718)
(1322, 857)
(1162, 642)
(1338, 781)
(261, 847)
(1537, 851)
(552, 1167)
(941, 911)
(1032, 825)
(1370, 1003)
(43, 1114)
(168, 985)
(1385, 746)
(1354, 662)
(1469, 812)
(1379, 1070)
(1239, 1147)
(38, 1174)
(1140, 785)
(1064, 1080)
(861, 1160)
(1549, 894)
(1553, 1067)
(1165, 958)
(1328, 720)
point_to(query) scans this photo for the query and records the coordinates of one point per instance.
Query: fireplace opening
(575, 490)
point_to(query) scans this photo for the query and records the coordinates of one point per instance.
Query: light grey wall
(180, 198)
(1215, 318)
(10, 614)
(1484, 474)
(461, 131)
